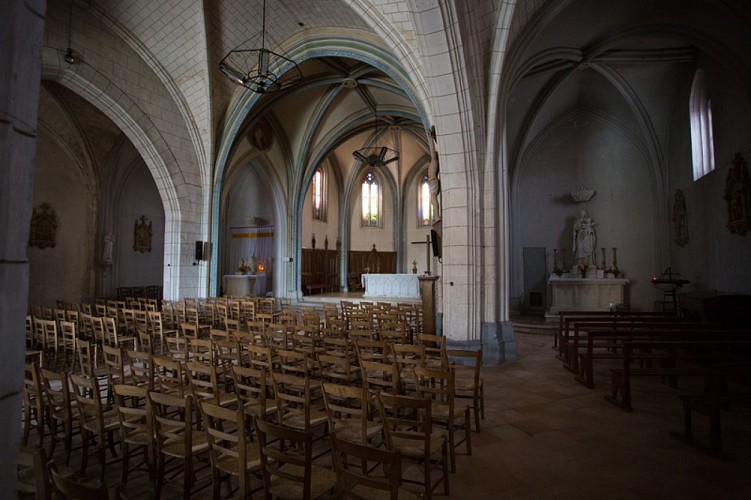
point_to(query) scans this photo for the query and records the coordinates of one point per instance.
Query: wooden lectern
(427, 293)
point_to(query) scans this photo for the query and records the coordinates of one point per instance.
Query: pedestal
(427, 294)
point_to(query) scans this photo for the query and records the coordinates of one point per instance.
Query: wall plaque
(43, 231)
(142, 235)
(738, 197)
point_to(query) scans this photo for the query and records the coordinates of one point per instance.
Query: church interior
(510, 160)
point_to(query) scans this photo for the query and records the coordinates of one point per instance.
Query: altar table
(240, 285)
(585, 294)
(391, 285)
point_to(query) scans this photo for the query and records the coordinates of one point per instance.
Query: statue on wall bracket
(43, 231)
(738, 197)
(142, 235)
(680, 219)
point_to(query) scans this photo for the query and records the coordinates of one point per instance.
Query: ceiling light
(254, 68)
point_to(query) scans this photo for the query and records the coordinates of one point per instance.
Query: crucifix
(427, 251)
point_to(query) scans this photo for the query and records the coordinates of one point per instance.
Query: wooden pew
(575, 327)
(696, 359)
(564, 315)
(613, 340)
(721, 395)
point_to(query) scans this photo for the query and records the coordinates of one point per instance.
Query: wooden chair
(34, 404)
(468, 383)
(252, 388)
(68, 488)
(339, 369)
(176, 440)
(348, 413)
(434, 350)
(408, 425)
(141, 368)
(169, 376)
(51, 339)
(297, 363)
(293, 403)
(59, 409)
(278, 336)
(114, 363)
(438, 386)
(38, 333)
(136, 433)
(232, 452)
(407, 357)
(68, 337)
(97, 421)
(177, 348)
(261, 357)
(382, 480)
(392, 332)
(378, 377)
(159, 331)
(113, 337)
(287, 464)
(371, 350)
(33, 481)
(204, 384)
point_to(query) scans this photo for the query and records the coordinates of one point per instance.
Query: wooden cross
(427, 251)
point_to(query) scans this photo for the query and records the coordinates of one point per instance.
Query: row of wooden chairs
(169, 418)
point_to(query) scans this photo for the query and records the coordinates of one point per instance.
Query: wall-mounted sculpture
(43, 231)
(142, 235)
(738, 196)
(680, 219)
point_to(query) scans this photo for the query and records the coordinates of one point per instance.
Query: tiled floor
(547, 436)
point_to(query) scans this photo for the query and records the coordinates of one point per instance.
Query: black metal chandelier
(378, 154)
(254, 68)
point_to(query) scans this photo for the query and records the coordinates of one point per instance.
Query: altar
(391, 285)
(585, 294)
(243, 285)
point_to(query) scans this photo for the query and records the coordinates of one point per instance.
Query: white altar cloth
(391, 285)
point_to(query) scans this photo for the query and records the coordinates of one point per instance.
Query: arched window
(424, 207)
(702, 143)
(371, 201)
(318, 195)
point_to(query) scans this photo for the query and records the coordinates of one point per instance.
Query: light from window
(702, 142)
(424, 207)
(318, 193)
(371, 200)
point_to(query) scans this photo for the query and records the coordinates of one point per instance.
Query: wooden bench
(610, 341)
(675, 358)
(317, 286)
(570, 343)
(712, 402)
(564, 315)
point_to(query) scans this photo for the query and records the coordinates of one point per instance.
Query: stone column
(21, 29)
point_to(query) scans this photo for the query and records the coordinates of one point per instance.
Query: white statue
(585, 240)
(108, 248)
